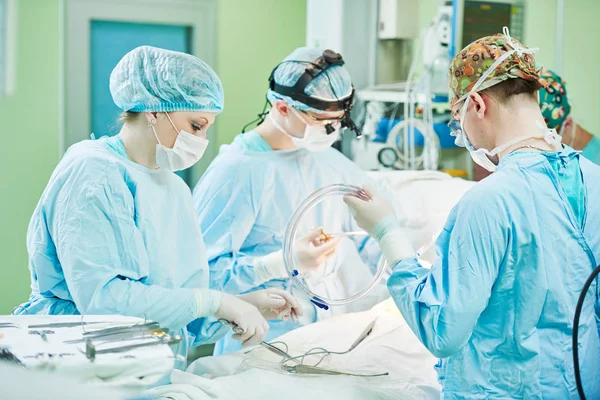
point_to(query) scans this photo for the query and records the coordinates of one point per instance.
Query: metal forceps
(122, 329)
(324, 352)
(9, 325)
(62, 325)
(91, 351)
(236, 329)
(307, 369)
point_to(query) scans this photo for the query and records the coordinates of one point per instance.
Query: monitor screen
(483, 19)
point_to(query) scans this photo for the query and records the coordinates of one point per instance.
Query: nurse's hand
(246, 316)
(312, 252)
(274, 304)
(370, 213)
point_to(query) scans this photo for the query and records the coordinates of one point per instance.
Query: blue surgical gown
(110, 236)
(498, 304)
(244, 202)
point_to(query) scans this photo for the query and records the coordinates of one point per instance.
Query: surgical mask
(186, 151)
(315, 137)
(482, 156)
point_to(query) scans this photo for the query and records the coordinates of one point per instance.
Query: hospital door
(110, 41)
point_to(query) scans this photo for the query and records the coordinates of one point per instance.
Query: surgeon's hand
(274, 304)
(312, 252)
(246, 316)
(370, 213)
(378, 217)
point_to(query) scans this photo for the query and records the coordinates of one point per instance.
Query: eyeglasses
(324, 121)
(455, 128)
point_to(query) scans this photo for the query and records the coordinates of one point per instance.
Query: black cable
(578, 309)
(260, 117)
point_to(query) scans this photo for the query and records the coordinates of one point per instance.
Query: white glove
(314, 249)
(274, 304)
(246, 316)
(310, 251)
(378, 217)
(369, 213)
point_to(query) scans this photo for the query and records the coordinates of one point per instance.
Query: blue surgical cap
(154, 80)
(333, 84)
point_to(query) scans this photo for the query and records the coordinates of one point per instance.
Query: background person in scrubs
(556, 109)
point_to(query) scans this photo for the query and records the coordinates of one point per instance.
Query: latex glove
(378, 217)
(246, 316)
(274, 304)
(310, 251)
(370, 213)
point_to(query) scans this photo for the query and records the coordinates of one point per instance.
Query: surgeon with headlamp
(250, 191)
(497, 306)
(115, 230)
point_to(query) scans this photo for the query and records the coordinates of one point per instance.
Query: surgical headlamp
(313, 69)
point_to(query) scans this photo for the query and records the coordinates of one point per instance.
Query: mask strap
(518, 49)
(151, 125)
(515, 49)
(506, 145)
(481, 79)
(297, 114)
(278, 126)
(172, 124)
(550, 135)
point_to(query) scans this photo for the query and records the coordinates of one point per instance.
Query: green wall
(248, 52)
(581, 59)
(30, 119)
(579, 55)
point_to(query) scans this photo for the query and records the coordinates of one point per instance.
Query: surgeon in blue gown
(249, 192)
(498, 304)
(115, 230)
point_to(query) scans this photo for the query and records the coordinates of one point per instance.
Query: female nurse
(115, 231)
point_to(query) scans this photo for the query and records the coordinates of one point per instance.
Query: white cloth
(391, 347)
(19, 383)
(417, 194)
(133, 371)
